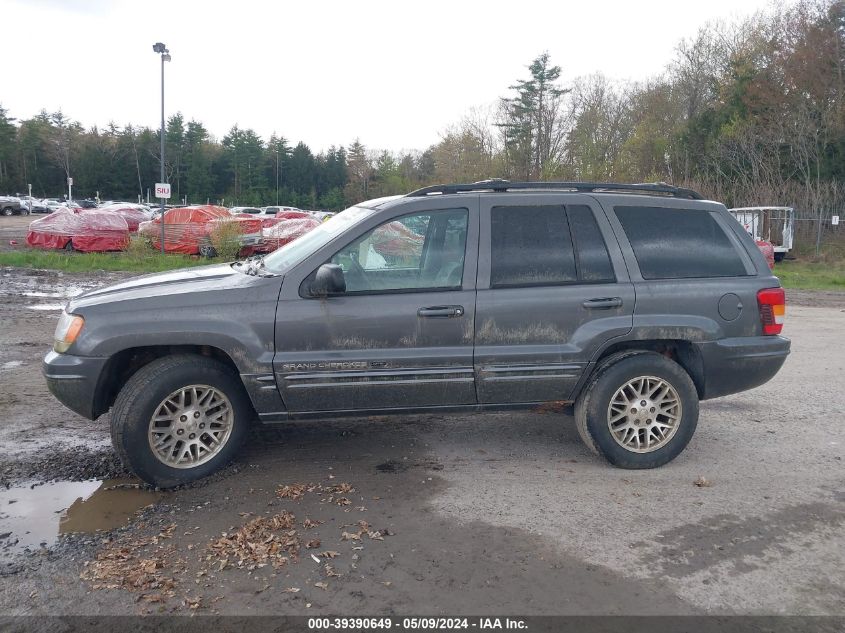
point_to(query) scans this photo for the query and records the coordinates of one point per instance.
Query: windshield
(290, 254)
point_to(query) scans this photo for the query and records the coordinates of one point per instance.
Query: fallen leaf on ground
(330, 554)
(262, 540)
(292, 491)
(701, 482)
(322, 585)
(292, 590)
(343, 488)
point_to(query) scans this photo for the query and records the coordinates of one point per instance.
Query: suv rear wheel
(179, 419)
(639, 411)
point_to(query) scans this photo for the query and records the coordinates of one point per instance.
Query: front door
(549, 295)
(401, 336)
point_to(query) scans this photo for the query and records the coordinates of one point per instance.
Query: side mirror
(328, 281)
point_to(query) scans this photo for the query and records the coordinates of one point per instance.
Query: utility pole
(160, 48)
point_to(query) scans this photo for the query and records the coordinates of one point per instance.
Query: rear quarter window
(679, 243)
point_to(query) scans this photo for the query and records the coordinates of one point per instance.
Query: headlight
(67, 331)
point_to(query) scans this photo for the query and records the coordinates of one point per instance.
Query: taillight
(772, 302)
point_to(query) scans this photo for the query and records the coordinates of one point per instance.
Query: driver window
(420, 251)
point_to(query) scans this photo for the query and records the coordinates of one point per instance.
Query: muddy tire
(639, 411)
(179, 419)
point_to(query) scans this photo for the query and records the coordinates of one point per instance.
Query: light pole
(160, 48)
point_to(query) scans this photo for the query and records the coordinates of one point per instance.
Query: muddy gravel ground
(483, 514)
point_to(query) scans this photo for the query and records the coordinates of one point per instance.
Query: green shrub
(226, 240)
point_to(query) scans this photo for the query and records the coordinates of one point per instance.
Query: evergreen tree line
(749, 112)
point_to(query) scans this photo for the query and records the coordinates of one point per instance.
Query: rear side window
(531, 245)
(593, 259)
(679, 243)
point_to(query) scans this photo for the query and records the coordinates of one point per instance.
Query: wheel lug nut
(642, 404)
(633, 409)
(202, 425)
(652, 409)
(196, 414)
(179, 431)
(191, 436)
(183, 418)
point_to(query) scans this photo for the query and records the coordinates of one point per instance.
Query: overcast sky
(395, 74)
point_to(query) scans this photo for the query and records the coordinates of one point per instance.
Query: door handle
(441, 311)
(605, 303)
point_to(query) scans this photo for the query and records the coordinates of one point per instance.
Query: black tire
(140, 398)
(779, 257)
(591, 408)
(8, 211)
(208, 251)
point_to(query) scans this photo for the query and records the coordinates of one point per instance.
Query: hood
(173, 287)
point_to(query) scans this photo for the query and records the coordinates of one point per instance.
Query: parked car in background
(246, 210)
(190, 230)
(33, 205)
(134, 214)
(39, 206)
(284, 231)
(770, 224)
(92, 230)
(86, 203)
(52, 205)
(11, 205)
(273, 210)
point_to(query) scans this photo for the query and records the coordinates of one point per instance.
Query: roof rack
(499, 185)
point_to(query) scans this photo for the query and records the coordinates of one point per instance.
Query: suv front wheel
(639, 411)
(179, 418)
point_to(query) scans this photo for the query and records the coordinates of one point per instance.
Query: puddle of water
(32, 517)
(47, 307)
(45, 287)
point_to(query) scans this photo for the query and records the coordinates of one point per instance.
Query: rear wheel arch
(684, 353)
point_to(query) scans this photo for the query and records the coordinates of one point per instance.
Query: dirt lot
(13, 229)
(484, 514)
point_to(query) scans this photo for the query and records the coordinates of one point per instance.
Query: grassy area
(811, 275)
(131, 261)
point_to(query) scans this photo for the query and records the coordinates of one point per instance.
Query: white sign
(162, 190)
(70, 182)
(834, 220)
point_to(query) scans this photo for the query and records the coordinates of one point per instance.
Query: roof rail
(499, 185)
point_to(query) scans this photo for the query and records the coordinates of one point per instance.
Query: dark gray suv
(630, 302)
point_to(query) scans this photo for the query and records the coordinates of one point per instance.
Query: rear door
(401, 336)
(552, 289)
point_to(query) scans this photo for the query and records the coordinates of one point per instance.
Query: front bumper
(73, 380)
(738, 364)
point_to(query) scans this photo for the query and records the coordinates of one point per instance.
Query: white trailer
(772, 224)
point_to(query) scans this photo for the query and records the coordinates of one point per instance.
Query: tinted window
(531, 246)
(420, 251)
(593, 259)
(679, 243)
